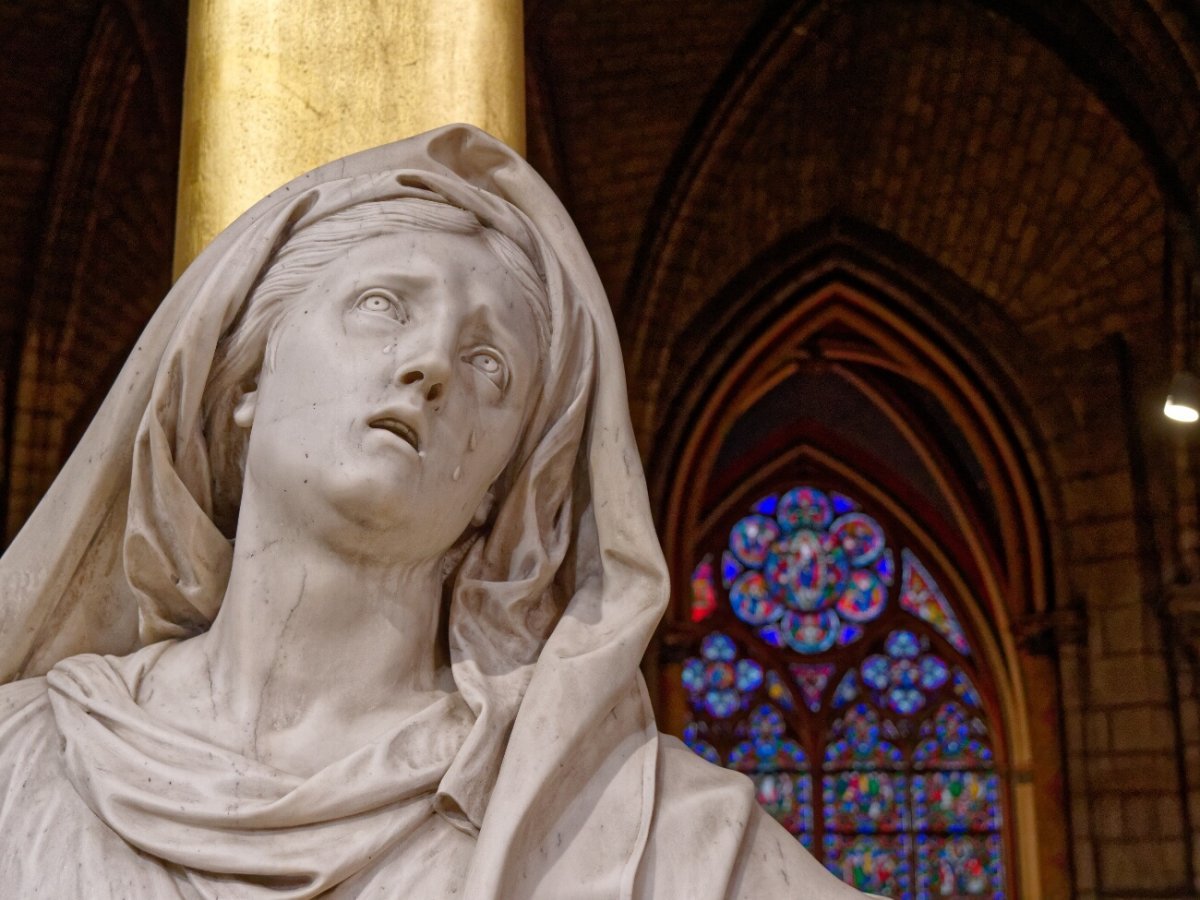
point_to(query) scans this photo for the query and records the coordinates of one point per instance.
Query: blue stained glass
(772, 754)
(849, 634)
(802, 571)
(902, 680)
(730, 569)
(905, 673)
(693, 675)
(767, 505)
(693, 736)
(959, 866)
(846, 691)
(717, 646)
(766, 723)
(956, 802)
(749, 675)
(964, 688)
(863, 597)
(876, 672)
(808, 570)
(905, 701)
(856, 742)
(772, 634)
(934, 673)
(841, 503)
(717, 681)
(751, 600)
(766, 750)
(810, 632)
(791, 553)
(722, 704)
(742, 757)
(791, 755)
(804, 507)
(860, 536)
(865, 802)
(885, 566)
(779, 693)
(720, 675)
(874, 863)
(752, 537)
(902, 644)
(786, 796)
(949, 743)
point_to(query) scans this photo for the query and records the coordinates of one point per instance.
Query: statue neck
(314, 652)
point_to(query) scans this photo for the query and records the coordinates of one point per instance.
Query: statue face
(393, 394)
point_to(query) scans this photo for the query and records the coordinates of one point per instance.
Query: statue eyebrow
(487, 322)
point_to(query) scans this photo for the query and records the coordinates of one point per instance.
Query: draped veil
(551, 611)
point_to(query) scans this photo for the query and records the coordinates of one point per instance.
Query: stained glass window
(845, 687)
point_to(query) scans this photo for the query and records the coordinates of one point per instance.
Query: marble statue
(345, 589)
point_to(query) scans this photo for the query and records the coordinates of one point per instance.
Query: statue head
(415, 318)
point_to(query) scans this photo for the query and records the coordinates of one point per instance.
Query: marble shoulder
(20, 698)
(27, 730)
(705, 812)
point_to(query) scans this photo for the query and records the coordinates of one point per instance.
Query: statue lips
(393, 421)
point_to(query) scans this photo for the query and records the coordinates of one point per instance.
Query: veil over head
(552, 609)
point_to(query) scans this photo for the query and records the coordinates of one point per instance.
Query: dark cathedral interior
(902, 286)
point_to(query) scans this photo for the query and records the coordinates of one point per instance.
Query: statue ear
(484, 511)
(243, 413)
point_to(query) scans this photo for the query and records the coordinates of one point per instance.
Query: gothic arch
(835, 304)
(1116, 76)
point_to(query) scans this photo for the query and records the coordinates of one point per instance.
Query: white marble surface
(363, 530)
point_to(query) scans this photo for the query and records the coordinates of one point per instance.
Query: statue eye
(381, 302)
(490, 364)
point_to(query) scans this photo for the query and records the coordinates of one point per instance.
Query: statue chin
(414, 671)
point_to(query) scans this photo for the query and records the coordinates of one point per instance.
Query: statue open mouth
(400, 429)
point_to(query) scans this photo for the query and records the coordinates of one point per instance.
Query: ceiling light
(1183, 400)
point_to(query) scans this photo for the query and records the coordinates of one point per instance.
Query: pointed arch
(1072, 33)
(937, 443)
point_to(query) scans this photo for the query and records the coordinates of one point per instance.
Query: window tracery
(844, 689)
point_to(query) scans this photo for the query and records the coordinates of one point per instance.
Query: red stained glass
(921, 596)
(704, 591)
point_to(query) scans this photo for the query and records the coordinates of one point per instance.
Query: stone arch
(842, 298)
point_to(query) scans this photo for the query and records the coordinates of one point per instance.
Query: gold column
(274, 88)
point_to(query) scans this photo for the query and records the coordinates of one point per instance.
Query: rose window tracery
(846, 690)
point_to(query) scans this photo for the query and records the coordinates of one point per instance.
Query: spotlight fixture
(1183, 400)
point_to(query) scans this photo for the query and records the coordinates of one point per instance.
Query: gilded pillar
(276, 87)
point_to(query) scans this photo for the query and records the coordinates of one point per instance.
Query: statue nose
(428, 373)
